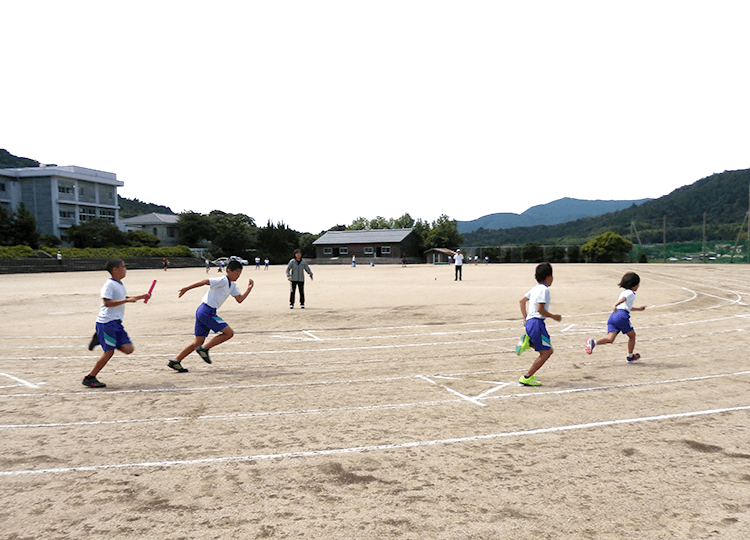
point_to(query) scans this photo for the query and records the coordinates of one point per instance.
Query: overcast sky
(315, 113)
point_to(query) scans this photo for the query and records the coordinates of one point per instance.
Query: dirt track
(389, 408)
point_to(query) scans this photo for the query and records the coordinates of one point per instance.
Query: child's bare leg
(609, 338)
(539, 362)
(197, 342)
(226, 334)
(103, 359)
(631, 341)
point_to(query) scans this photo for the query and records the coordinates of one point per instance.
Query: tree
(606, 248)
(236, 234)
(359, 224)
(532, 252)
(443, 233)
(404, 222)
(142, 238)
(24, 228)
(193, 227)
(7, 237)
(277, 242)
(96, 233)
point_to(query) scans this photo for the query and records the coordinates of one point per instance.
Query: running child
(110, 333)
(538, 301)
(206, 319)
(619, 320)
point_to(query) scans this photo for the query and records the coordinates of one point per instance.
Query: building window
(2, 186)
(67, 214)
(385, 250)
(67, 190)
(327, 251)
(86, 213)
(369, 251)
(108, 215)
(343, 251)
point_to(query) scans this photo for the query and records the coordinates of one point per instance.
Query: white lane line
(308, 333)
(373, 448)
(467, 398)
(24, 383)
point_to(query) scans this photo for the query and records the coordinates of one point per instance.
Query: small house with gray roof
(367, 244)
(163, 226)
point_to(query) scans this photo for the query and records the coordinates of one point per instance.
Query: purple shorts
(112, 335)
(207, 320)
(536, 329)
(619, 321)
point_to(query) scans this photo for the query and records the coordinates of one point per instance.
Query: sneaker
(529, 381)
(590, 344)
(203, 353)
(524, 344)
(177, 366)
(94, 341)
(302, 306)
(91, 382)
(633, 357)
(291, 306)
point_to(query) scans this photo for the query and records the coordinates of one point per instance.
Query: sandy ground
(389, 408)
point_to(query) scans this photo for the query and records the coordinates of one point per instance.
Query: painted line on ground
(373, 448)
(431, 403)
(23, 382)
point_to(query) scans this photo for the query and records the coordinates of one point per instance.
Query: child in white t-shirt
(619, 320)
(206, 319)
(110, 333)
(538, 300)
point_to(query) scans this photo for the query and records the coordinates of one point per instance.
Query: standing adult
(295, 273)
(458, 259)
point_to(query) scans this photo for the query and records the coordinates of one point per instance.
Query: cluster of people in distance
(111, 335)
(535, 308)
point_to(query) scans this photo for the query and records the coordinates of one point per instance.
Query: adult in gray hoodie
(295, 273)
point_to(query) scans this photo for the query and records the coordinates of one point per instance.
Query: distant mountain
(559, 211)
(720, 199)
(9, 161)
(134, 207)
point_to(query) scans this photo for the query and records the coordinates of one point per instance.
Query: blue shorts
(537, 332)
(206, 320)
(619, 321)
(112, 335)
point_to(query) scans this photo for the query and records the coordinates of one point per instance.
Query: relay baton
(153, 284)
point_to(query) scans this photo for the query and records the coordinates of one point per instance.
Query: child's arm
(642, 308)
(620, 301)
(544, 313)
(241, 298)
(108, 302)
(523, 303)
(193, 286)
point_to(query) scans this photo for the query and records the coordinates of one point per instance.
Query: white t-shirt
(629, 297)
(459, 259)
(112, 290)
(539, 294)
(220, 289)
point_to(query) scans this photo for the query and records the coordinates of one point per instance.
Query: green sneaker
(529, 381)
(524, 344)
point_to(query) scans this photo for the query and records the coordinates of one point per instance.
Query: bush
(16, 252)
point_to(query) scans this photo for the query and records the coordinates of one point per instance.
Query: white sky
(317, 112)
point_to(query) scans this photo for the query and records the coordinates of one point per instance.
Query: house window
(2, 186)
(327, 251)
(343, 251)
(369, 251)
(385, 250)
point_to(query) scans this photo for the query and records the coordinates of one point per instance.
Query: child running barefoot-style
(538, 300)
(206, 319)
(619, 320)
(110, 333)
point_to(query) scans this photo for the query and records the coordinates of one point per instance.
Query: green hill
(722, 197)
(134, 207)
(9, 161)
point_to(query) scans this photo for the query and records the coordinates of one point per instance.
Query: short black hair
(630, 280)
(543, 271)
(114, 263)
(234, 265)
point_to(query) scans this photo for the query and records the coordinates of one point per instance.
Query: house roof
(151, 219)
(369, 236)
